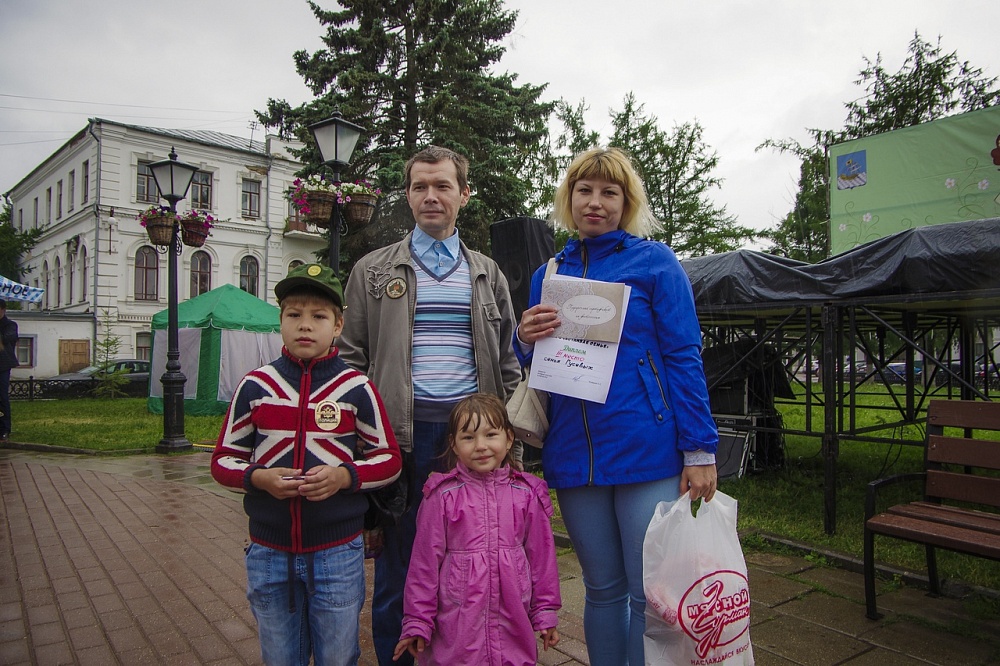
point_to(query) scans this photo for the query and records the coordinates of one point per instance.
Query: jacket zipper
(299, 455)
(656, 376)
(583, 404)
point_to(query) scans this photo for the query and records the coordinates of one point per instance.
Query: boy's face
(309, 326)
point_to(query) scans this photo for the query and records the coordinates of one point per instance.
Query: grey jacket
(378, 329)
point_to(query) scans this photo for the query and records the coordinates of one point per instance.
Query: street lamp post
(336, 139)
(173, 179)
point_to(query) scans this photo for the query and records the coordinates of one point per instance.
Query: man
(430, 322)
(8, 360)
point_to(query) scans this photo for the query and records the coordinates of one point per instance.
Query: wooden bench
(958, 470)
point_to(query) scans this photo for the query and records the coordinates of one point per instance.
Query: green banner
(943, 171)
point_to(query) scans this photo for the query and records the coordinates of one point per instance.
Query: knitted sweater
(295, 414)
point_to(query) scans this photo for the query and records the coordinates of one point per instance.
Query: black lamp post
(336, 139)
(173, 179)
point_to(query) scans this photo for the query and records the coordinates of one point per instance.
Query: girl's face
(481, 447)
(597, 206)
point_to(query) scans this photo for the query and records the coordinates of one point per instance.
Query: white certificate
(576, 367)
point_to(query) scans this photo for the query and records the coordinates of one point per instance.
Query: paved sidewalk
(138, 560)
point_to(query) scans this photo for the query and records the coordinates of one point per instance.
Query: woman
(654, 438)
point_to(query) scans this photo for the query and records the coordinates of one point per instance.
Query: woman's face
(597, 206)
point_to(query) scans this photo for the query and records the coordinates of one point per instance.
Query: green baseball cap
(316, 276)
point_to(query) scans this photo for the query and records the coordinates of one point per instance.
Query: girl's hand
(700, 481)
(324, 481)
(550, 637)
(537, 322)
(272, 481)
(413, 645)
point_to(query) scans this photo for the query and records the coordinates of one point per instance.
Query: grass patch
(103, 426)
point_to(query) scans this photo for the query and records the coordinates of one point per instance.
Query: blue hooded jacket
(658, 406)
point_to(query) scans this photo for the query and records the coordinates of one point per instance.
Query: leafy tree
(13, 244)
(929, 85)
(676, 168)
(417, 72)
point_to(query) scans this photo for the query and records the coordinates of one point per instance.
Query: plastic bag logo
(715, 611)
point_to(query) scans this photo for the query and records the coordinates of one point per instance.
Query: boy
(303, 437)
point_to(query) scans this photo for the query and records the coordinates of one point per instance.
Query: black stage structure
(915, 311)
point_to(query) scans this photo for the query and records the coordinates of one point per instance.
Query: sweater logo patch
(328, 415)
(395, 288)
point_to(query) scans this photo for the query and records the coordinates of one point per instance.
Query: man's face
(435, 197)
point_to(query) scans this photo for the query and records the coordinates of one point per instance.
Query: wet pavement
(139, 560)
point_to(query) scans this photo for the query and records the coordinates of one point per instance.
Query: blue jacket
(658, 403)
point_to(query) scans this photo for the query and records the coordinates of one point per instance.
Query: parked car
(83, 382)
(895, 373)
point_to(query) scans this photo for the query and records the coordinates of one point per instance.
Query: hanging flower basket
(316, 195)
(193, 236)
(319, 207)
(160, 229)
(359, 210)
(195, 227)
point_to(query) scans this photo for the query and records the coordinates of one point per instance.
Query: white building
(94, 259)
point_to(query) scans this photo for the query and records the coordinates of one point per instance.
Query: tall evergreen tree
(929, 85)
(676, 168)
(418, 72)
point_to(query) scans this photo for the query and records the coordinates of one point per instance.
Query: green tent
(222, 335)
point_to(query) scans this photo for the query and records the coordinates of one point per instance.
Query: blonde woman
(654, 438)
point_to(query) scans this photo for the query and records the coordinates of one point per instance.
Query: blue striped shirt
(443, 364)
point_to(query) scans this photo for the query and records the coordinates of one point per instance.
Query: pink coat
(483, 576)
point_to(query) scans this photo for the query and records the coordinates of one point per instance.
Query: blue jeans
(429, 442)
(607, 525)
(294, 622)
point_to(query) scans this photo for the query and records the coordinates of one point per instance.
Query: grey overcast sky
(745, 70)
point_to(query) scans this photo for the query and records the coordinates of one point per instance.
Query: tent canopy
(225, 307)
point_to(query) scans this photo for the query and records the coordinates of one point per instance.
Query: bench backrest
(955, 465)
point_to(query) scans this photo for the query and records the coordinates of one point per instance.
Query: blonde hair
(614, 166)
(469, 414)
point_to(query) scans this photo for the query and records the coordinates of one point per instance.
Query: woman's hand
(537, 322)
(700, 481)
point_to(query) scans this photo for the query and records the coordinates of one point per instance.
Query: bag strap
(550, 268)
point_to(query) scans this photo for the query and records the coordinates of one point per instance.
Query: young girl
(483, 575)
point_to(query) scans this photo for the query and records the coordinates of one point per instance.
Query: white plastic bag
(695, 579)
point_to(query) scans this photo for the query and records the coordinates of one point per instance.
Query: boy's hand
(550, 637)
(271, 480)
(324, 481)
(414, 645)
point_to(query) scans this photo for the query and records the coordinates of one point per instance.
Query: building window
(36, 214)
(201, 273)
(143, 345)
(72, 190)
(147, 274)
(20, 219)
(83, 274)
(70, 272)
(25, 351)
(201, 191)
(45, 283)
(85, 195)
(294, 263)
(48, 205)
(251, 198)
(58, 282)
(249, 272)
(59, 200)
(145, 184)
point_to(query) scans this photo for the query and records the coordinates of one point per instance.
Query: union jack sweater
(297, 414)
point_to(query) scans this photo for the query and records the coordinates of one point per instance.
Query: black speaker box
(520, 245)
(735, 450)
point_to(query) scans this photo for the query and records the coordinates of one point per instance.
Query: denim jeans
(322, 623)
(429, 442)
(607, 525)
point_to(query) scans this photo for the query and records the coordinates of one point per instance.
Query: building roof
(205, 137)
